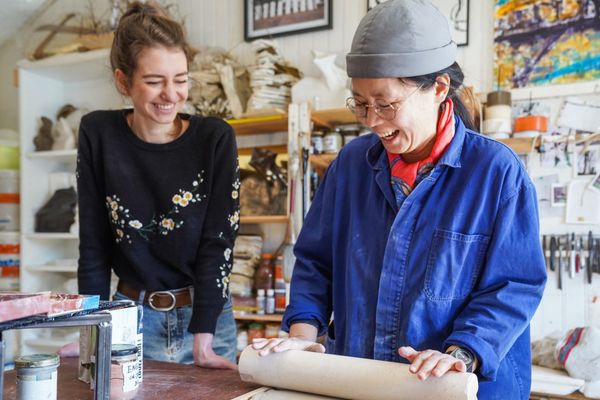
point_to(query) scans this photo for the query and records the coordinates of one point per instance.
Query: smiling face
(413, 127)
(158, 87)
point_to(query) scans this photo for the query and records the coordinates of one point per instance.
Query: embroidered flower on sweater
(162, 224)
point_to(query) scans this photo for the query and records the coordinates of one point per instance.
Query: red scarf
(406, 174)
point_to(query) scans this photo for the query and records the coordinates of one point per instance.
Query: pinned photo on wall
(587, 161)
(594, 184)
(543, 187)
(582, 204)
(558, 195)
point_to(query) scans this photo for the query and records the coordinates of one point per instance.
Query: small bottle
(37, 376)
(316, 139)
(260, 301)
(332, 141)
(280, 290)
(263, 277)
(270, 304)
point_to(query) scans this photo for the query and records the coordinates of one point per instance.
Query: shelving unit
(258, 318)
(44, 87)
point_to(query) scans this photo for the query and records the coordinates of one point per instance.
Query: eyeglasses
(385, 111)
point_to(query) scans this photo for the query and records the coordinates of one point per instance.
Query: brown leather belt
(162, 300)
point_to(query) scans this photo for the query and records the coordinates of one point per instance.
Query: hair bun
(143, 9)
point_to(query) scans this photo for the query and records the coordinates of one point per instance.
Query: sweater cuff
(204, 318)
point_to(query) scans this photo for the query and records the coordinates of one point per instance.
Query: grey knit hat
(399, 39)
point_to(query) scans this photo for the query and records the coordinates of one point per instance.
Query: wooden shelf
(256, 317)
(320, 162)
(334, 116)
(519, 145)
(264, 219)
(278, 148)
(258, 125)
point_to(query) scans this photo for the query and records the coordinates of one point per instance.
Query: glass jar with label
(349, 132)
(316, 139)
(332, 141)
(124, 371)
(36, 376)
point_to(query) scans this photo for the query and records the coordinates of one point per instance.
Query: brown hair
(144, 25)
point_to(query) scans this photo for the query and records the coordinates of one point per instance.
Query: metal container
(37, 376)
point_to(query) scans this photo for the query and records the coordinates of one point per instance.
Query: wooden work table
(161, 381)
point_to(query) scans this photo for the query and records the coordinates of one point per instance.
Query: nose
(169, 93)
(371, 119)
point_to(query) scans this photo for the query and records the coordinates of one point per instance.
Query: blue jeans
(166, 337)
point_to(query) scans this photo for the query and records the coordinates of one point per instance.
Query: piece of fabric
(460, 263)
(416, 48)
(162, 216)
(405, 176)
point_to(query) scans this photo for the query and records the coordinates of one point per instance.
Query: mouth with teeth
(388, 136)
(164, 107)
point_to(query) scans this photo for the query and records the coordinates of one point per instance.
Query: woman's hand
(430, 362)
(267, 346)
(69, 350)
(204, 355)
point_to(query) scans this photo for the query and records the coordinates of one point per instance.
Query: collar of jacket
(376, 155)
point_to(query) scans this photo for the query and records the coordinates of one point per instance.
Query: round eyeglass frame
(395, 106)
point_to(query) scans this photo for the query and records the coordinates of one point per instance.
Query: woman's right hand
(267, 346)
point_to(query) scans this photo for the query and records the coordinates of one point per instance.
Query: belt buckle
(164, 292)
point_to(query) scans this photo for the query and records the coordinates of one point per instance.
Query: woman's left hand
(204, 355)
(430, 362)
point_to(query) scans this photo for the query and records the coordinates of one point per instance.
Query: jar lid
(120, 350)
(37, 360)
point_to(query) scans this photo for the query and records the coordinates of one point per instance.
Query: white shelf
(53, 268)
(71, 67)
(52, 236)
(57, 155)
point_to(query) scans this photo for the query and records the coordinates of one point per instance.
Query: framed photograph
(559, 195)
(457, 13)
(271, 18)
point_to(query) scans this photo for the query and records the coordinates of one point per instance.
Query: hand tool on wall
(553, 247)
(545, 249)
(572, 256)
(581, 254)
(591, 257)
(561, 265)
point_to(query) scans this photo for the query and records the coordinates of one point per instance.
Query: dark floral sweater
(162, 216)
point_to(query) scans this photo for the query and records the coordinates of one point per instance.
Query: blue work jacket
(460, 263)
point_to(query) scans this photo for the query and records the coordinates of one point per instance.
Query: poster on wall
(546, 42)
(457, 13)
(271, 18)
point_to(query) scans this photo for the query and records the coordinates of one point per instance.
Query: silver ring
(166, 292)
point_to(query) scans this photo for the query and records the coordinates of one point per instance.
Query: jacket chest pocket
(453, 264)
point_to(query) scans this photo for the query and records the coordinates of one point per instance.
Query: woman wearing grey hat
(423, 237)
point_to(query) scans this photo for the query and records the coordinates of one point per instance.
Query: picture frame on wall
(457, 13)
(272, 18)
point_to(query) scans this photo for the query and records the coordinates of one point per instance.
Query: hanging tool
(591, 259)
(561, 265)
(552, 253)
(581, 254)
(572, 258)
(545, 249)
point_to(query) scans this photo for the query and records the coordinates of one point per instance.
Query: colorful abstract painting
(546, 42)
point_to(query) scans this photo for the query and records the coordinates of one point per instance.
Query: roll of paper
(497, 112)
(350, 377)
(497, 126)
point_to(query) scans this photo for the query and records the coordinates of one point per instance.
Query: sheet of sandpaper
(350, 377)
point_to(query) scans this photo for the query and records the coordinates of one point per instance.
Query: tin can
(332, 141)
(316, 139)
(123, 372)
(37, 376)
